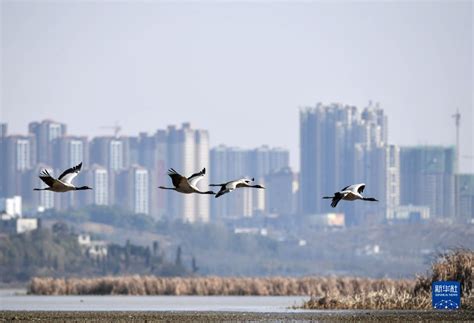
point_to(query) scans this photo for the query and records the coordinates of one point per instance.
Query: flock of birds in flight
(188, 185)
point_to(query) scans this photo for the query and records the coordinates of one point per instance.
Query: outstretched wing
(231, 184)
(195, 178)
(222, 191)
(69, 174)
(46, 177)
(345, 188)
(356, 188)
(337, 197)
(176, 178)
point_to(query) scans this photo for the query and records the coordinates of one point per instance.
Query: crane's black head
(248, 181)
(259, 186)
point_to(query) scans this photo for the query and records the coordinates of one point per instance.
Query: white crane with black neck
(232, 185)
(186, 185)
(350, 193)
(63, 183)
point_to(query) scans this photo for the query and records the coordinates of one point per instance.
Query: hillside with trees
(56, 252)
(291, 246)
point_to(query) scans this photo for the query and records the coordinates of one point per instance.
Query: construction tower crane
(117, 128)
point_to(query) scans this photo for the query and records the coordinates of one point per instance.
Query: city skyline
(414, 186)
(339, 144)
(292, 156)
(147, 65)
(125, 170)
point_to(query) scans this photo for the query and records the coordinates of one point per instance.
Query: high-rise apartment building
(331, 138)
(111, 152)
(188, 153)
(465, 197)
(264, 160)
(337, 145)
(261, 162)
(379, 168)
(20, 156)
(97, 177)
(150, 151)
(375, 121)
(392, 177)
(3, 159)
(3, 130)
(230, 163)
(280, 195)
(159, 177)
(427, 178)
(70, 151)
(133, 189)
(322, 146)
(38, 201)
(45, 133)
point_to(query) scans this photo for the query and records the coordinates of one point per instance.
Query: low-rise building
(92, 248)
(333, 220)
(11, 219)
(18, 225)
(11, 206)
(413, 213)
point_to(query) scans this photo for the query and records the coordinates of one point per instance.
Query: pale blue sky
(241, 70)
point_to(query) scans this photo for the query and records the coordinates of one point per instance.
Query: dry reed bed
(380, 300)
(325, 292)
(457, 265)
(265, 286)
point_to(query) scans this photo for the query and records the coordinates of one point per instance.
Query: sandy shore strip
(185, 316)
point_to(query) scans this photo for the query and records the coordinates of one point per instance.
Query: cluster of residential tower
(339, 145)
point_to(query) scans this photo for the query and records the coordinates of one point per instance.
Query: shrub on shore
(456, 265)
(373, 300)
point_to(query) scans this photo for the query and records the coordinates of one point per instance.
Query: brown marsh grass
(454, 265)
(325, 292)
(205, 286)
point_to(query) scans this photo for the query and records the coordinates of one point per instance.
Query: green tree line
(56, 252)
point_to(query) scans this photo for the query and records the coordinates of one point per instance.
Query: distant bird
(186, 185)
(63, 183)
(232, 185)
(349, 193)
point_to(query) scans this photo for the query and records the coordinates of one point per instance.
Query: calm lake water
(17, 300)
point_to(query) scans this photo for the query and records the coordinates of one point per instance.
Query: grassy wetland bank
(332, 298)
(326, 292)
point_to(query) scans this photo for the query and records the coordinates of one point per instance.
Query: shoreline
(189, 316)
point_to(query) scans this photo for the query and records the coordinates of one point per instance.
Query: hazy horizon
(240, 70)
